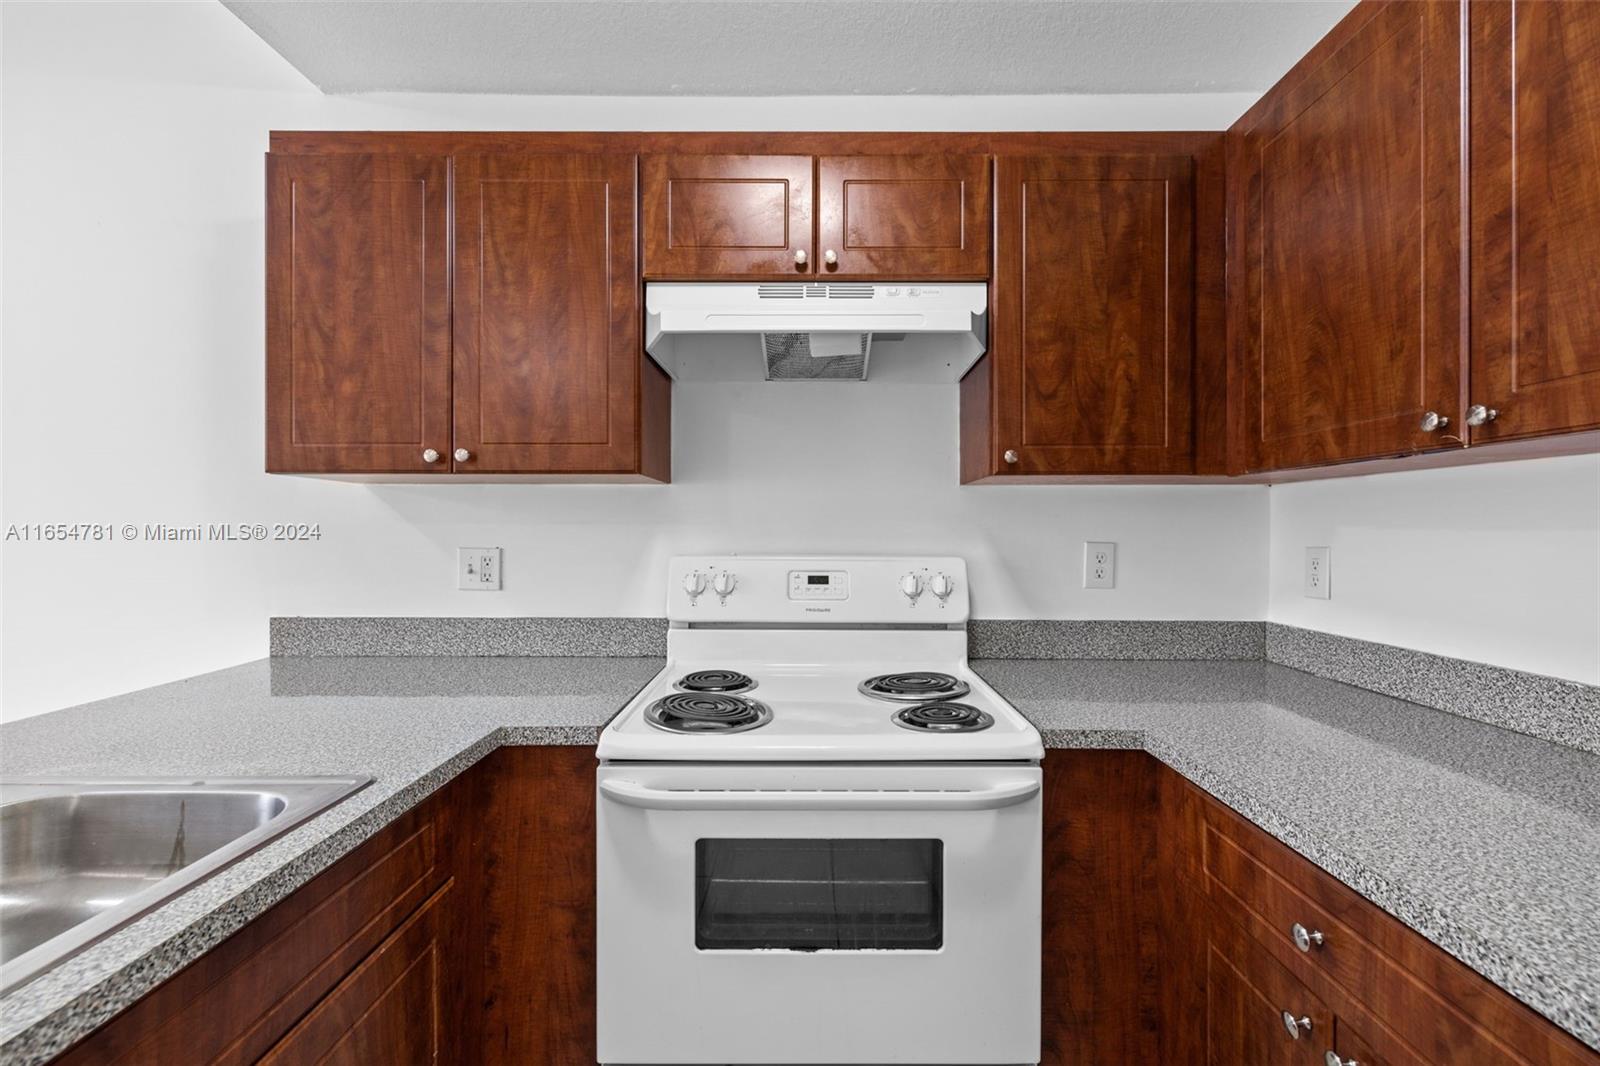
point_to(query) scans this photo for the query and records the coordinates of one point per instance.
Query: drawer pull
(1294, 1026)
(1304, 938)
(1332, 1059)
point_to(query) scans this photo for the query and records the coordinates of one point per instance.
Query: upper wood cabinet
(506, 343)
(1346, 258)
(711, 215)
(1090, 368)
(1535, 97)
(913, 216)
(548, 353)
(358, 313)
(918, 217)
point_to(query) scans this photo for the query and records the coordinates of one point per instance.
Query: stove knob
(911, 585)
(723, 584)
(942, 587)
(694, 583)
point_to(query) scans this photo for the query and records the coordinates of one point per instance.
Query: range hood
(816, 330)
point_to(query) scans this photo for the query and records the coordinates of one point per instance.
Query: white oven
(818, 913)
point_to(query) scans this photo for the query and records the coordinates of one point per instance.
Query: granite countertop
(1487, 842)
(1483, 840)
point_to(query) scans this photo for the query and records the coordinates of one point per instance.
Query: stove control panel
(818, 590)
(819, 585)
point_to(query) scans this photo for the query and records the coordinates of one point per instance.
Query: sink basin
(79, 859)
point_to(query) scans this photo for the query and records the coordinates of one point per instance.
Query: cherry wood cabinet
(726, 215)
(461, 933)
(1169, 936)
(1091, 367)
(858, 215)
(550, 374)
(233, 1004)
(1345, 210)
(358, 313)
(502, 339)
(389, 1009)
(913, 217)
(1256, 1012)
(1535, 107)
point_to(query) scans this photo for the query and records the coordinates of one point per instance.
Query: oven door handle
(633, 794)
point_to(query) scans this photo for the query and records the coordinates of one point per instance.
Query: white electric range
(813, 816)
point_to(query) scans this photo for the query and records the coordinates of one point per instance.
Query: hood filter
(816, 356)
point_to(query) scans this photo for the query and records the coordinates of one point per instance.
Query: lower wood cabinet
(462, 933)
(389, 1009)
(1176, 931)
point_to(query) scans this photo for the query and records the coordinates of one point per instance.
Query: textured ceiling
(791, 47)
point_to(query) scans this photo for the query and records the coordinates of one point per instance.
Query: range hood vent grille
(793, 357)
(800, 290)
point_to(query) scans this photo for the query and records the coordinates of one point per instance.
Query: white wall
(133, 391)
(1498, 563)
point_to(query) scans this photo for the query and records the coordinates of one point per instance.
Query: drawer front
(232, 1004)
(1256, 1011)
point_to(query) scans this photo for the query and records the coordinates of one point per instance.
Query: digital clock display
(816, 579)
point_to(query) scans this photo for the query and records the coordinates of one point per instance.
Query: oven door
(818, 914)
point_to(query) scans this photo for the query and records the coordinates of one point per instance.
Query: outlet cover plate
(478, 569)
(1099, 564)
(1319, 573)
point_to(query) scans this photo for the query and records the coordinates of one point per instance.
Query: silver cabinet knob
(1478, 414)
(1011, 455)
(800, 257)
(1304, 938)
(1433, 420)
(830, 258)
(429, 455)
(1294, 1026)
(462, 455)
(1332, 1059)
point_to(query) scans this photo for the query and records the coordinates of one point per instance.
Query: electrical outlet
(478, 569)
(1099, 564)
(1319, 573)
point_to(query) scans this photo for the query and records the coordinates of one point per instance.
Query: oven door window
(819, 895)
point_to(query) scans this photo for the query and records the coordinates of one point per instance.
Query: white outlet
(1099, 564)
(478, 569)
(1319, 573)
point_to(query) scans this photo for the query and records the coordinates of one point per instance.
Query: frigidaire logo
(820, 610)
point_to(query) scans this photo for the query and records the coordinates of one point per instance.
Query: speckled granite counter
(1487, 842)
(411, 723)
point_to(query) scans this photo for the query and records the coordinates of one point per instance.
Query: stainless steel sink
(78, 859)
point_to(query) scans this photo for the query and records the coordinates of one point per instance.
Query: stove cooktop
(807, 712)
(818, 659)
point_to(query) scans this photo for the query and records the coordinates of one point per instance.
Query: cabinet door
(388, 1010)
(547, 323)
(358, 314)
(726, 215)
(1248, 996)
(1535, 216)
(913, 218)
(1346, 208)
(1092, 336)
